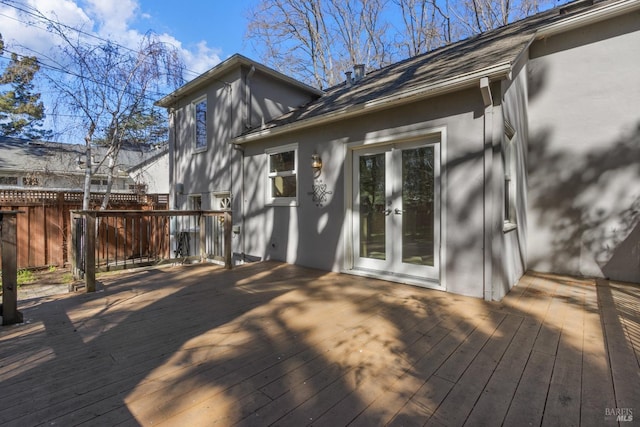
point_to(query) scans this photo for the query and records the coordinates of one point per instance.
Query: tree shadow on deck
(270, 343)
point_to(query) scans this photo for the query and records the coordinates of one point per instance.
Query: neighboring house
(152, 174)
(458, 169)
(26, 164)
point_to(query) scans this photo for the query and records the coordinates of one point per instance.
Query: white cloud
(196, 60)
(112, 20)
(24, 27)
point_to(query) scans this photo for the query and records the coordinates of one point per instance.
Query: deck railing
(115, 240)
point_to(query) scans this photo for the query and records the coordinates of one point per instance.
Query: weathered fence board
(44, 231)
(8, 250)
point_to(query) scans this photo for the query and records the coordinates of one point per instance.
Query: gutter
(463, 81)
(588, 17)
(219, 70)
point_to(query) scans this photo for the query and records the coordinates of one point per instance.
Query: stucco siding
(313, 234)
(584, 202)
(270, 98)
(206, 171)
(510, 250)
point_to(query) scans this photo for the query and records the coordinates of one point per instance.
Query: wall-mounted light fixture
(316, 162)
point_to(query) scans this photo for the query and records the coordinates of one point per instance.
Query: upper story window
(30, 181)
(8, 180)
(200, 109)
(195, 202)
(282, 185)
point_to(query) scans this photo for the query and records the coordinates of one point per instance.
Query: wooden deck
(269, 343)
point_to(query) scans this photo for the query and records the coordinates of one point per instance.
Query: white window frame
(196, 147)
(271, 200)
(195, 202)
(222, 201)
(510, 178)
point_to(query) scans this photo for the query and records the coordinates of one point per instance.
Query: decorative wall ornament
(319, 193)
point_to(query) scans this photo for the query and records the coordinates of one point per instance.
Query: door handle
(387, 212)
(398, 211)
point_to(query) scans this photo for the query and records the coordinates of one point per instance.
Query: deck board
(275, 344)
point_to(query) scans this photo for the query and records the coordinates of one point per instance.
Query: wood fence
(43, 230)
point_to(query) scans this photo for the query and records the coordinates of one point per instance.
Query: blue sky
(221, 24)
(218, 25)
(205, 32)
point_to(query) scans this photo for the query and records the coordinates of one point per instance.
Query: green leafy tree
(21, 110)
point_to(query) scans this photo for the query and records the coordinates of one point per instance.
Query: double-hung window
(282, 185)
(200, 111)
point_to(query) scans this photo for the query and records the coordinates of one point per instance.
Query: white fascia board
(65, 172)
(588, 17)
(219, 70)
(463, 81)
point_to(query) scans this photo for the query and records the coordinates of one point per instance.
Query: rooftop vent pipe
(358, 71)
(348, 80)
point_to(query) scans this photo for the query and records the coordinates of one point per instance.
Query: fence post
(73, 246)
(8, 243)
(227, 239)
(90, 251)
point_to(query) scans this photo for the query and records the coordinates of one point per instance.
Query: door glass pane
(418, 188)
(372, 206)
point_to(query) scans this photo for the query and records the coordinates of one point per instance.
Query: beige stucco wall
(215, 168)
(584, 197)
(510, 243)
(313, 235)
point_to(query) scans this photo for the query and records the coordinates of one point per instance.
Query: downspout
(487, 210)
(173, 197)
(247, 125)
(242, 201)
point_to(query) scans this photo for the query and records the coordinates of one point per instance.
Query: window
(195, 202)
(201, 125)
(509, 166)
(8, 180)
(282, 186)
(222, 201)
(138, 188)
(30, 181)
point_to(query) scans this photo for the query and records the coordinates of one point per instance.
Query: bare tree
(478, 16)
(427, 25)
(317, 40)
(359, 34)
(111, 88)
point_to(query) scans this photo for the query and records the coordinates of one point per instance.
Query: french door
(396, 210)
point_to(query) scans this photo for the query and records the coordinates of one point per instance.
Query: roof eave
(587, 17)
(222, 68)
(463, 81)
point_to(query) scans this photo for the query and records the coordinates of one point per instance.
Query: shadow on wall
(590, 206)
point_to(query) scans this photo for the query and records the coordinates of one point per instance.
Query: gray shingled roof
(499, 46)
(54, 157)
